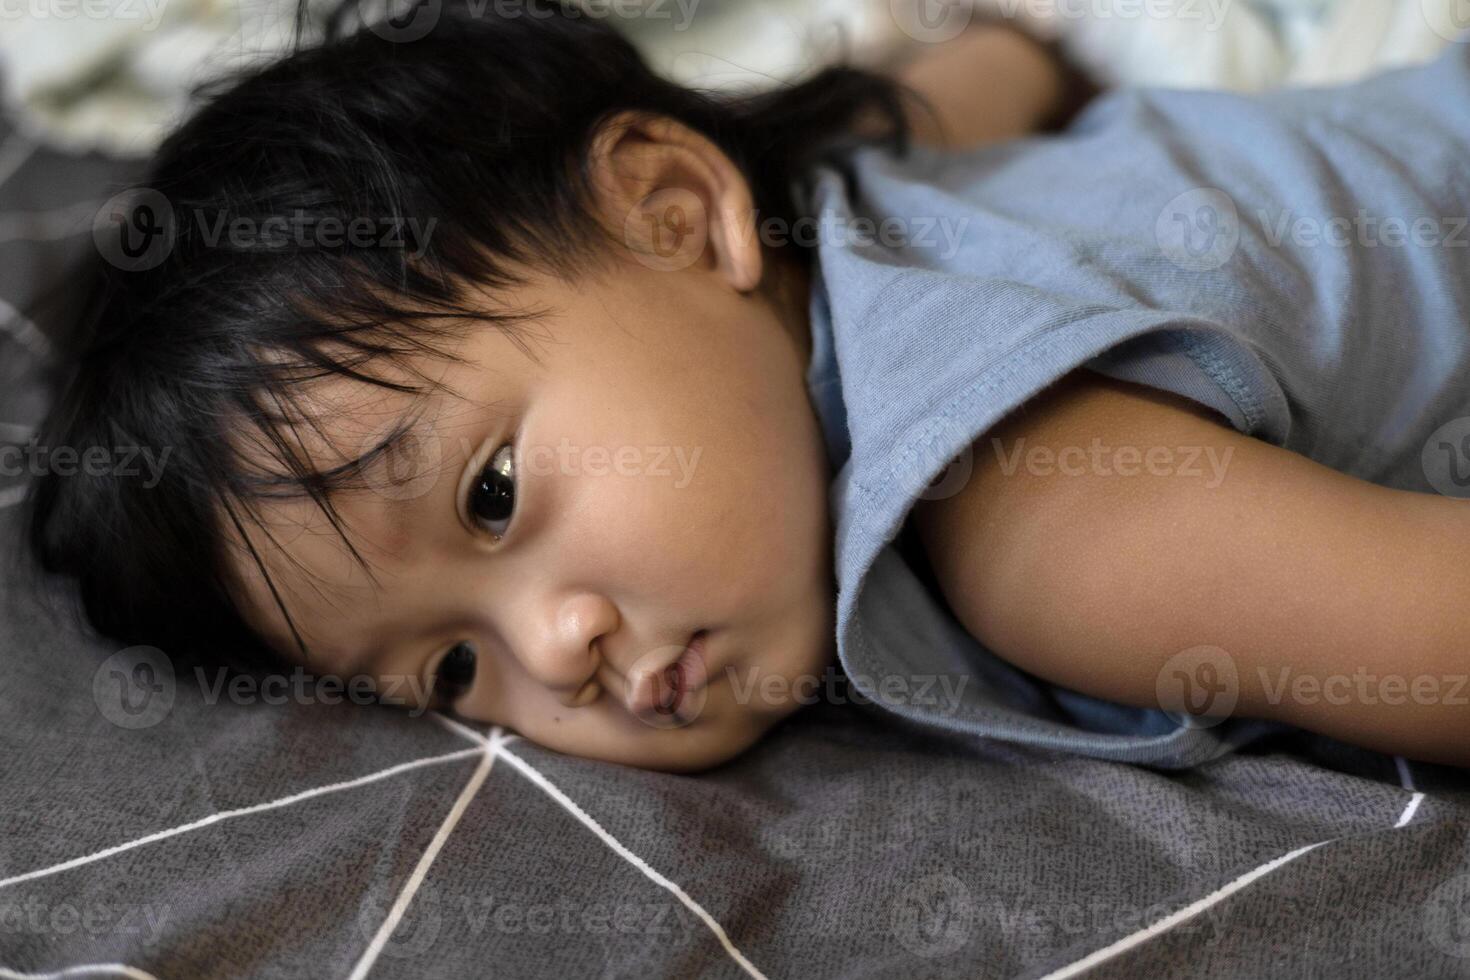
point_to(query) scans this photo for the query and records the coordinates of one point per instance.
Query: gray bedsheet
(157, 826)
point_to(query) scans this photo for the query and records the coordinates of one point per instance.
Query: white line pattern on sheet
(244, 811)
(25, 333)
(1170, 921)
(535, 776)
(89, 970)
(1406, 776)
(1410, 810)
(459, 728)
(1406, 779)
(426, 860)
(1194, 908)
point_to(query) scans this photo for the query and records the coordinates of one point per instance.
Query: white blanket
(115, 74)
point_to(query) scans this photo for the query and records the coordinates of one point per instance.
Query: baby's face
(665, 477)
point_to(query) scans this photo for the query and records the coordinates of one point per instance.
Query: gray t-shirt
(1298, 261)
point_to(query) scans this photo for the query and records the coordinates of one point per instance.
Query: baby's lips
(642, 693)
(650, 689)
(694, 668)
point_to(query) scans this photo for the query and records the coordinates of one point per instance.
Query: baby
(545, 391)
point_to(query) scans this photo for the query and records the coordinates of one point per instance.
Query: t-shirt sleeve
(1223, 376)
(937, 359)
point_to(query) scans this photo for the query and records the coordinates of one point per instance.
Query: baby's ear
(674, 198)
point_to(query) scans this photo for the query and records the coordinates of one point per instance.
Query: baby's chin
(689, 750)
(703, 744)
(704, 757)
(742, 704)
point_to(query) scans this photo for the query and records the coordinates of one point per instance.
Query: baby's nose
(566, 651)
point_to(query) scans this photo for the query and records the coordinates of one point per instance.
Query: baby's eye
(456, 672)
(492, 494)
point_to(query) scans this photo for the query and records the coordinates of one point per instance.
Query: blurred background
(114, 75)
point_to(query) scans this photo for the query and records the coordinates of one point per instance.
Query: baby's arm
(1095, 580)
(990, 83)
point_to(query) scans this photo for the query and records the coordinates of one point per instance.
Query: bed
(155, 825)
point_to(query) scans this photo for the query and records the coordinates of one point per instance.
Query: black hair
(482, 125)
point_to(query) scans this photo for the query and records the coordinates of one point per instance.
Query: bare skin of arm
(990, 83)
(1340, 603)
